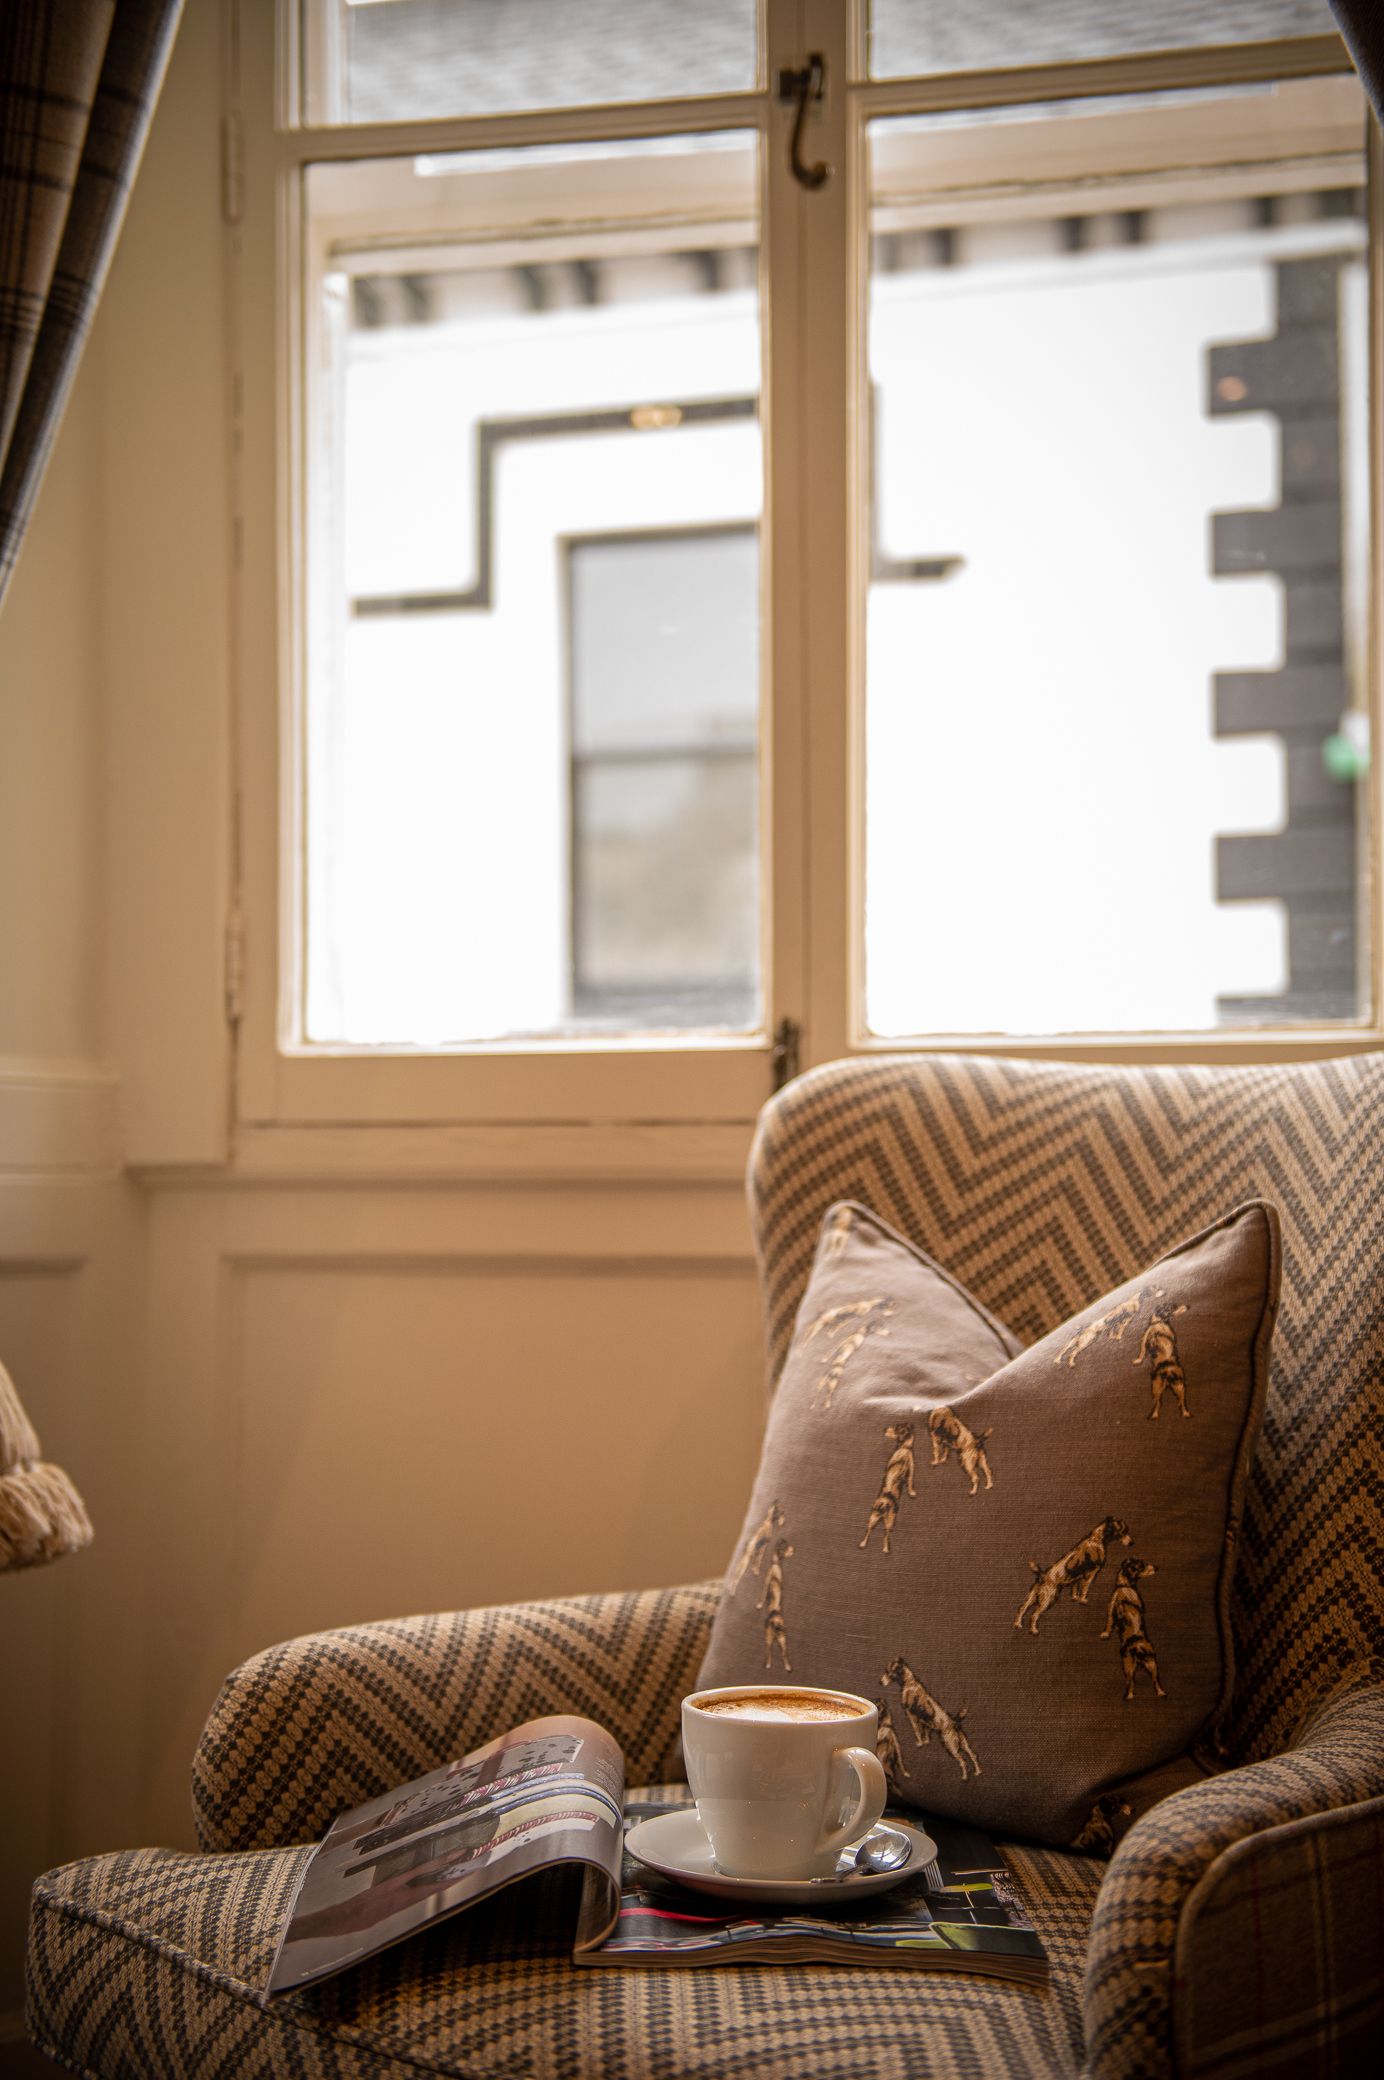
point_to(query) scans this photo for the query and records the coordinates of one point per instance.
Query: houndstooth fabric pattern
(310, 1728)
(1041, 1185)
(80, 80)
(1179, 1860)
(152, 1963)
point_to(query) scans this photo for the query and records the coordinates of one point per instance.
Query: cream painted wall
(166, 648)
(71, 1260)
(50, 777)
(293, 1396)
(71, 1300)
(383, 1400)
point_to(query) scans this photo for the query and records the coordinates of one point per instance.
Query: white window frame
(648, 1093)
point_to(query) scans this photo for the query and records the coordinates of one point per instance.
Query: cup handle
(872, 1793)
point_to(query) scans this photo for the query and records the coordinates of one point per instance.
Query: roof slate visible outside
(419, 58)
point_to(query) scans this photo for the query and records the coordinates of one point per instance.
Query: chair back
(1041, 1185)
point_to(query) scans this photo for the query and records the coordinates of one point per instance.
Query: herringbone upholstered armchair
(1238, 1927)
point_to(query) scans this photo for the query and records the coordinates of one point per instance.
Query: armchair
(1237, 1927)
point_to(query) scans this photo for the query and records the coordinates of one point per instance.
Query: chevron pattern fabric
(1311, 1981)
(152, 1963)
(1040, 1185)
(308, 1729)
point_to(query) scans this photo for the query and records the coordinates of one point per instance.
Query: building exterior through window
(1116, 693)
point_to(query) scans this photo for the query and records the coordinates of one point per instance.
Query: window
(1144, 629)
(664, 818)
(500, 422)
(927, 604)
(383, 61)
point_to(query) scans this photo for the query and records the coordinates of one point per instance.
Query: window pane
(1116, 701)
(665, 697)
(665, 640)
(378, 61)
(533, 496)
(926, 36)
(664, 877)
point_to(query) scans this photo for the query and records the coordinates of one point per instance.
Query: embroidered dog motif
(949, 1434)
(1098, 1835)
(927, 1717)
(1159, 1346)
(1126, 1616)
(1075, 1571)
(771, 1603)
(836, 1317)
(758, 1543)
(897, 1482)
(871, 1318)
(1115, 1321)
(887, 1743)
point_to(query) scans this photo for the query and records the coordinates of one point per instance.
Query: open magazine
(551, 1792)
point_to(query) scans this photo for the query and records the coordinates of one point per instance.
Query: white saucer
(676, 1845)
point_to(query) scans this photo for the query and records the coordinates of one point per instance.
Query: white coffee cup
(785, 1776)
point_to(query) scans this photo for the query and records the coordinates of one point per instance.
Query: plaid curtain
(78, 82)
(1361, 22)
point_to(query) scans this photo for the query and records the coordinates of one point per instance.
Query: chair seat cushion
(154, 1962)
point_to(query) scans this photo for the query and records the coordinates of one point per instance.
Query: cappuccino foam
(779, 1707)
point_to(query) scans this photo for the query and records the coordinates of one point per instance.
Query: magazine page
(549, 1792)
(962, 1912)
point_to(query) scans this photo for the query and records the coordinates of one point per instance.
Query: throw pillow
(1023, 1555)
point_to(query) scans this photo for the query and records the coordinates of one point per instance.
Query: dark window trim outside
(494, 434)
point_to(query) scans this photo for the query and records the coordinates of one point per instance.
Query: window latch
(786, 1057)
(234, 980)
(804, 83)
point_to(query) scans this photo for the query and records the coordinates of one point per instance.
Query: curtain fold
(1361, 23)
(78, 83)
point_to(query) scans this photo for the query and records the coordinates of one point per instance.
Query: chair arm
(1193, 1967)
(307, 1729)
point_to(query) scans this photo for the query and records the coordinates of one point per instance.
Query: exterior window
(936, 36)
(664, 648)
(732, 618)
(538, 461)
(1117, 678)
(382, 61)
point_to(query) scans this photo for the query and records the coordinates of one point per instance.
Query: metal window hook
(802, 84)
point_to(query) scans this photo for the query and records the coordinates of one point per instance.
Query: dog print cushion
(1023, 1556)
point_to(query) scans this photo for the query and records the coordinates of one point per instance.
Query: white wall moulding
(56, 1117)
(694, 1152)
(490, 1226)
